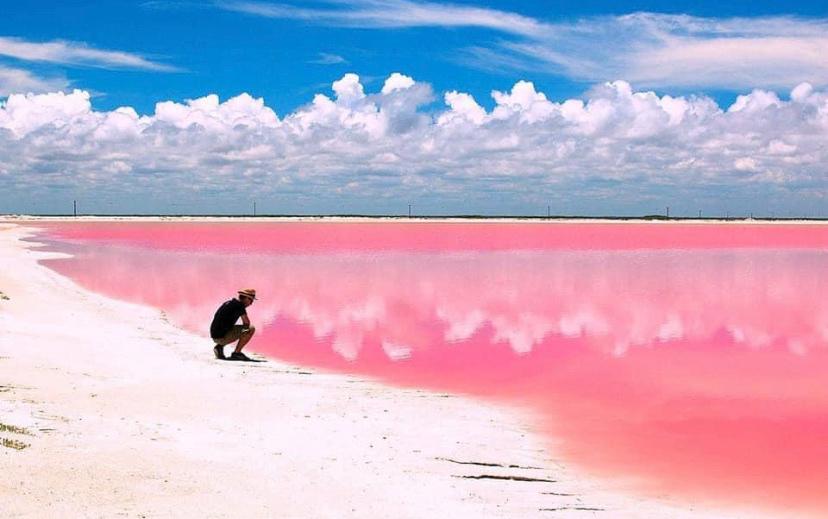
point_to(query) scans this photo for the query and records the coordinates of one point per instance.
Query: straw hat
(248, 292)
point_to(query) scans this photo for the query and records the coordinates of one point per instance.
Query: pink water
(691, 360)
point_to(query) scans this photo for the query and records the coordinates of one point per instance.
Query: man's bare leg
(245, 338)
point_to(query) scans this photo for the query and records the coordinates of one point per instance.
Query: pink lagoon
(680, 360)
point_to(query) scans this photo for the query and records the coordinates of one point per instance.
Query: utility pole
(699, 213)
(548, 211)
(254, 208)
(668, 211)
(75, 207)
(409, 210)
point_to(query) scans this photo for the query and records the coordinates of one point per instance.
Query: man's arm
(245, 321)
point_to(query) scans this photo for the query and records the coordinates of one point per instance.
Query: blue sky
(137, 54)
(282, 60)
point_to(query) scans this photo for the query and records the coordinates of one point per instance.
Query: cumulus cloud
(648, 49)
(76, 53)
(355, 144)
(462, 109)
(397, 81)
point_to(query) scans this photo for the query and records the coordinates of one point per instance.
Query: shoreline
(22, 219)
(160, 427)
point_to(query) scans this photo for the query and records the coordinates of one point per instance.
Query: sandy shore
(108, 410)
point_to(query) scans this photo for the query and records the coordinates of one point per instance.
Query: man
(224, 329)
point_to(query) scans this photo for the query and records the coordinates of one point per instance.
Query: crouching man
(224, 329)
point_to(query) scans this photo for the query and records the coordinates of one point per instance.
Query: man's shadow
(244, 360)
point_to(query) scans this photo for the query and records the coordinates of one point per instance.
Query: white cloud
(27, 113)
(529, 105)
(802, 92)
(76, 53)
(348, 89)
(462, 108)
(758, 100)
(659, 50)
(17, 80)
(733, 62)
(241, 111)
(325, 58)
(778, 147)
(357, 145)
(648, 49)
(394, 13)
(397, 81)
(746, 164)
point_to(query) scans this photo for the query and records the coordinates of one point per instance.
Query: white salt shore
(107, 410)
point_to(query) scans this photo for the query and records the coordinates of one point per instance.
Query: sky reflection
(697, 371)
